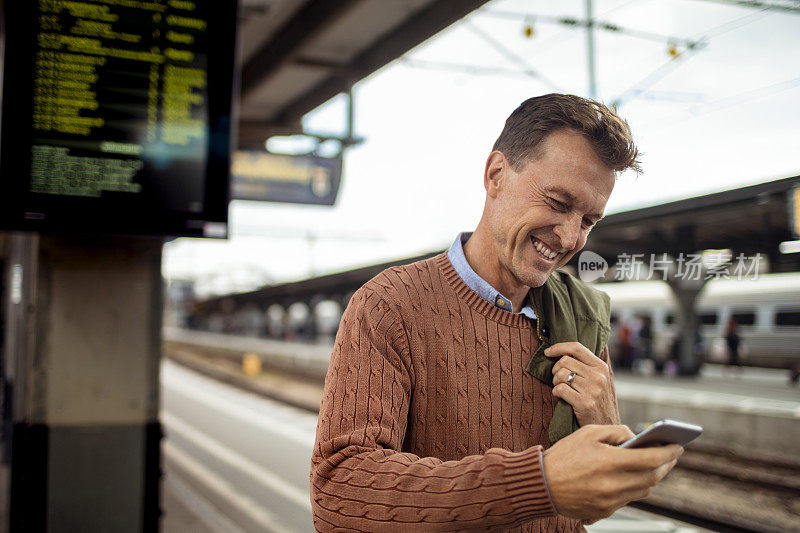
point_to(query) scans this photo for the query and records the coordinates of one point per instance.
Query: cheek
(497, 223)
(536, 218)
(582, 239)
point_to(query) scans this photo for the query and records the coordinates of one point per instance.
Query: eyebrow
(571, 200)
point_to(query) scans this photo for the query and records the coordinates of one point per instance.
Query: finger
(649, 458)
(611, 434)
(638, 493)
(562, 376)
(574, 349)
(568, 394)
(660, 454)
(664, 469)
(579, 382)
(572, 364)
(637, 485)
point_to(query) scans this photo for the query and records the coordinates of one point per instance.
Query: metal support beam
(288, 42)
(350, 113)
(590, 50)
(427, 21)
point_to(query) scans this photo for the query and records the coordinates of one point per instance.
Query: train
(766, 309)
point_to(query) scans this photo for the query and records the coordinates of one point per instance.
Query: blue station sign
(303, 179)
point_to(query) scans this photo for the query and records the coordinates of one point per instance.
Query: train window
(708, 319)
(745, 319)
(787, 318)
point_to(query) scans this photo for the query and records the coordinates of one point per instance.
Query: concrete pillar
(276, 321)
(312, 326)
(82, 350)
(686, 293)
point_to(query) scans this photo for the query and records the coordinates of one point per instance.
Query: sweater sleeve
(360, 479)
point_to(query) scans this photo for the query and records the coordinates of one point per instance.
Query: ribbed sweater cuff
(526, 485)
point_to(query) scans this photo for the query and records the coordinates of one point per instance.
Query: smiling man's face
(542, 215)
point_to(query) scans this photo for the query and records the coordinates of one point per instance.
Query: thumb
(613, 435)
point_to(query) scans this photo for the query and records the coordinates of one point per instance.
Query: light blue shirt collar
(459, 261)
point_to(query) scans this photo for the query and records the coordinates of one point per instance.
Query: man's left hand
(591, 391)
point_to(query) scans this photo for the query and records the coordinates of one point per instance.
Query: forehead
(567, 165)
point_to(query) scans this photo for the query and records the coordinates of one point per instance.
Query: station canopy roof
(753, 219)
(342, 284)
(297, 54)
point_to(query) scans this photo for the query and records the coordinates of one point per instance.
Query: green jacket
(567, 310)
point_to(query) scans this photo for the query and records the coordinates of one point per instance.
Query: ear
(495, 175)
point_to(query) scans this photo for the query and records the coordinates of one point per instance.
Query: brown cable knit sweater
(429, 420)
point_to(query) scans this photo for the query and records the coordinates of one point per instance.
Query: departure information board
(116, 115)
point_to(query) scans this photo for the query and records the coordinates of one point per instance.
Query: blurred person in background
(644, 348)
(624, 359)
(472, 390)
(732, 341)
(672, 365)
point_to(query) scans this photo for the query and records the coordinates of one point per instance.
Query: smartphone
(664, 432)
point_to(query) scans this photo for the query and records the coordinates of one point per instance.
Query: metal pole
(590, 50)
(350, 114)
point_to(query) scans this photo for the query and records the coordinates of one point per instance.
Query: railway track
(713, 488)
(728, 491)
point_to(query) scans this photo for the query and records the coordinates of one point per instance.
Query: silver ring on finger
(571, 377)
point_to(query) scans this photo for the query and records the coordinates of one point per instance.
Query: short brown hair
(537, 117)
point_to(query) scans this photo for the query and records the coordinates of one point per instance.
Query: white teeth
(544, 250)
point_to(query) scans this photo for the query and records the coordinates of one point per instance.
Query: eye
(558, 206)
(587, 223)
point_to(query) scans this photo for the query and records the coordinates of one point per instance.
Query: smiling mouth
(545, 252)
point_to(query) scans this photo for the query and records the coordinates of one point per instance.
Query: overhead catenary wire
(731, 25)
(511, 56)
(675, 96)
(746, 96)
(640, 87)
(656, 75)
(785, 6)
(547, 43)
(462, 68)
(526, 70)
(713, 106)
(596, 24)
(691, 44)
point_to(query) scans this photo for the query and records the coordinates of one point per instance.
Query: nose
(568, 232)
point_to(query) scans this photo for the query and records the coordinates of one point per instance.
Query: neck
(482, 258)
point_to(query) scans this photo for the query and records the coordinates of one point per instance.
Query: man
(450, 378)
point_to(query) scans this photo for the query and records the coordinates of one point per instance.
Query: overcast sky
(724, 115)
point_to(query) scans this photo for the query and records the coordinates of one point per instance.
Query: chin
(535, 279)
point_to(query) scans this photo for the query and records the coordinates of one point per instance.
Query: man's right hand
(589, 477)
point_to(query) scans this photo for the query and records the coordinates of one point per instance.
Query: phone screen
(664, 432)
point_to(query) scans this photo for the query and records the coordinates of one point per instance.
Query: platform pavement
(312, 359)
(234, 442)
(763, 384)
(754, 410)
(749, 409)
(185, 512)
(180, 514)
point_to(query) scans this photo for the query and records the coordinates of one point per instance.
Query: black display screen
(116, 115)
